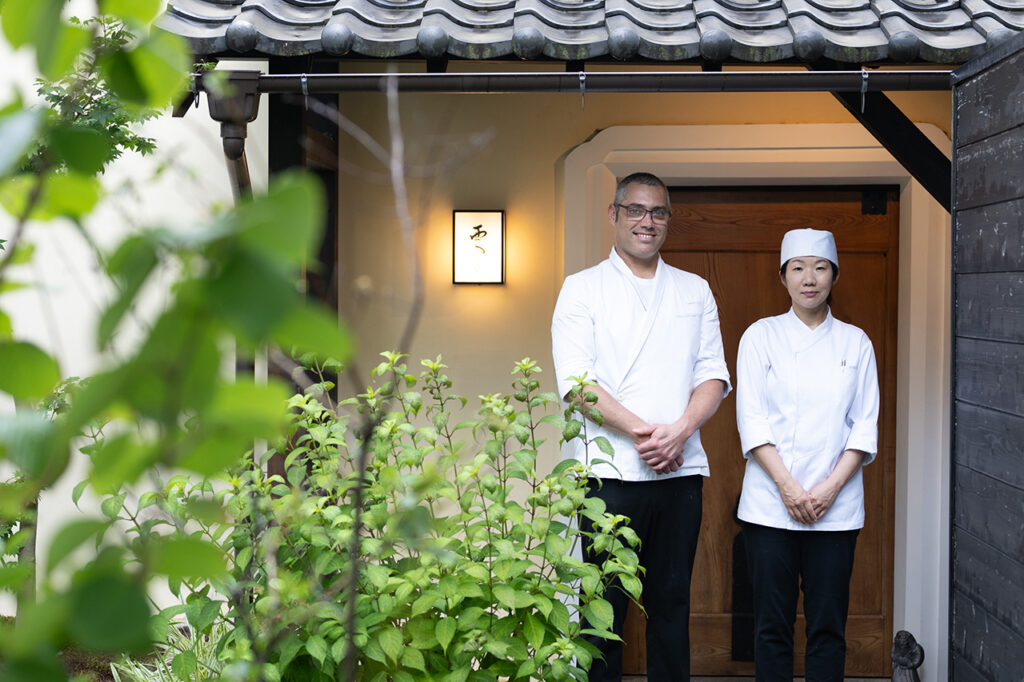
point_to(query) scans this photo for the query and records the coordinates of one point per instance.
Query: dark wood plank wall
(987, 529)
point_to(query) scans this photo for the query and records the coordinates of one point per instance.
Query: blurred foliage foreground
(391, 543)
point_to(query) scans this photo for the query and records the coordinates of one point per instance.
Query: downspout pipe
(593, 82)
(234, 103)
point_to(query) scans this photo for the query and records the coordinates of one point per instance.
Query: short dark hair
(638, 179)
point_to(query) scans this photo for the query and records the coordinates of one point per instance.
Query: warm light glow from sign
(478, 239)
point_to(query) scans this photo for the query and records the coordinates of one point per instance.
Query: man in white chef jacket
(647, 334)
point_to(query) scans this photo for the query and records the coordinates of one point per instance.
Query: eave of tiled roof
(753, 31)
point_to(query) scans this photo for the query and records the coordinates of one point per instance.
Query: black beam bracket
(901, 138)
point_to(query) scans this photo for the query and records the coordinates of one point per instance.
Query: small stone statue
(907, 657)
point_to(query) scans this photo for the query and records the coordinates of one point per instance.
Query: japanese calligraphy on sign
(479, 244)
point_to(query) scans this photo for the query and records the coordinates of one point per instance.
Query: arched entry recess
(815, 155)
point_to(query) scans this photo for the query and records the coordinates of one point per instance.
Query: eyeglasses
(635, 213)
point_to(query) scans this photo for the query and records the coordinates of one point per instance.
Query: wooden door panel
(866, 648)
(731, 238)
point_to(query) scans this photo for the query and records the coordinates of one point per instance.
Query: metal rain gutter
(596, 82)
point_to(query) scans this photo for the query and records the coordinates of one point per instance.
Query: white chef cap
(808, 242)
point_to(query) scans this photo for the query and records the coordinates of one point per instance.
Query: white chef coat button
(620, 397)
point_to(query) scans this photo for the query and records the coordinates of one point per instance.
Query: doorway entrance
(731, 238)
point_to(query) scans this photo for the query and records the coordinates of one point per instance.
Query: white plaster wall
(823, 154)
(179, 187)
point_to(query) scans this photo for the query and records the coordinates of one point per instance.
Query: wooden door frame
(819, 154)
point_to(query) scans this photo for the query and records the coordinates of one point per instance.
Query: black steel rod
(687, 81)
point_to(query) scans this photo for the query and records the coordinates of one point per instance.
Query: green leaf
(556, 420)
(70, 537)
(632, 585)
(28, 373)
(28, 21)
(505, 595)
(120, 73)
(424, 603)
(112, 506)
(257, 411)
(150, 75)
(184, 664)
(390, 640)
(141, 12)
(15, 498)
(14, 576)
(57, 56)
(44, 667)
(527, 668)
(412, 658)
(17, 131)
(317, 648)
(28, 440)
(161, 62)
(295, 200)
(63, 195)
(83, 149)
(42, 621)
(109, 613)
(543, 604)
(201, 613)
(252, 293)
(309, 328)
(445, 631)
(119, 460)
(510, 597)
(213, 453)
(534, 630)
(559, 616)
(71, 194)
(571, 429)
(76, 493)
(421, 630)
(161, 622)
(130, 266)
(496, 647)
(176, 369)
(562, 466)
(291, 646)
(239, 413)
(599, 614)
(208, 512)
(604, 446)
(189, 558)
(23, 254)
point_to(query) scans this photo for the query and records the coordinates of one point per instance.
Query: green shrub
(464, 566)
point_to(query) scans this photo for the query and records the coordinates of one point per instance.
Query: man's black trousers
(782, 562)
(666, 515)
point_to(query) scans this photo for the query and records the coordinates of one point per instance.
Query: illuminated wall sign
(478, 239)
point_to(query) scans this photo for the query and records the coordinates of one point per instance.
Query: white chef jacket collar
(620, 264)
(801, 336)
(655, 297)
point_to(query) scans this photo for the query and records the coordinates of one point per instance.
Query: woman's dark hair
(835, 274)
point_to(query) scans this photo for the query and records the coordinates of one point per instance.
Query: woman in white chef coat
(807, 410)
